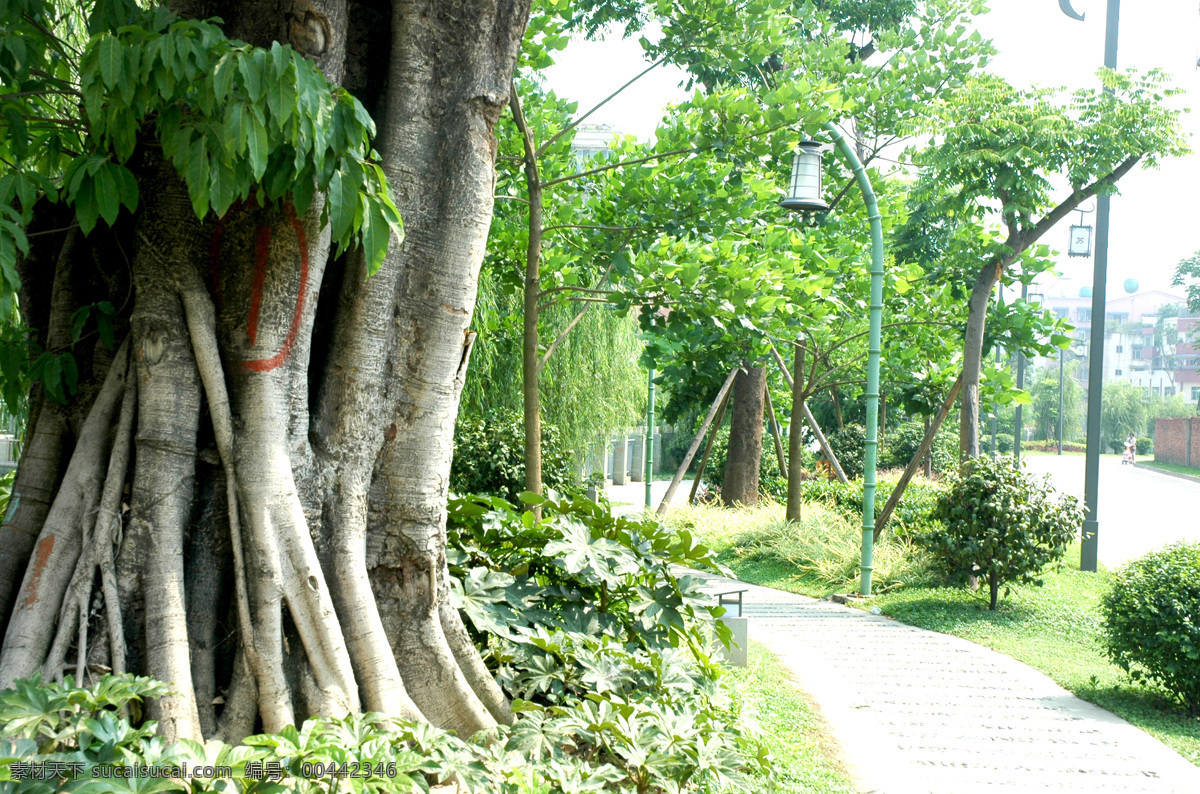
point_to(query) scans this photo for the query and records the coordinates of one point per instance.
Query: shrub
(1004, 443)
(914, 514)
(901, 443)
(849, 445)
(1051, 445)
(1151, 618)
(1001, 525)
(489, 457)
(1145, 446)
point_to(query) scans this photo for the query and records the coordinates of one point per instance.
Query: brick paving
(916, 711)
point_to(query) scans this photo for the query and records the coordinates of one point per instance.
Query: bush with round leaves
(1151, 618)
(849, 444)
(1145, 446)
(1000, 525)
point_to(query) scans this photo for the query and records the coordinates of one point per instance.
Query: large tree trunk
(282, 424)
(744, 458)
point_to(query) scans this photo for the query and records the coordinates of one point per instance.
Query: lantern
(1081, 241)
(804, 193)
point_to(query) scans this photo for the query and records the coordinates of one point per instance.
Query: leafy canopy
(239, 123)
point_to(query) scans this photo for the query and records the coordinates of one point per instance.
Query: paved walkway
(917, 711)
(630, 499)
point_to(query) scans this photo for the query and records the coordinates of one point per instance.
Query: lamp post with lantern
(804, 195)
(1091, 479)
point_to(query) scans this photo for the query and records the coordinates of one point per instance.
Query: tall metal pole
(873, 352)
(1091, 480)
(1020, 427)
(1060, 398)
(649, 438)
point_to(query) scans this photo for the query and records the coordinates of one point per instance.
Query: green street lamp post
(649, 437)
(805, 195)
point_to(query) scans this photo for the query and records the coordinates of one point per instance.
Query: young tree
(996, 153)
(263, 415)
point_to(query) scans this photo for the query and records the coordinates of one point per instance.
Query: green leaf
(257, 147)
(108, 197)
(111, 60)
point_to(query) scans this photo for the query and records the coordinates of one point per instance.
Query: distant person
(1130, 449)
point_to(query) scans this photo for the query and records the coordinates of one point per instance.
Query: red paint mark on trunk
(40, 558)
(268, 364)
(262, 251)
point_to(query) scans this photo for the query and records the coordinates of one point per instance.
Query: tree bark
(530, 368)
(977, 308)
(300, 566)
(744, 457)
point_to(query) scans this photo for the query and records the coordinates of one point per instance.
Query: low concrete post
(620, 472)
(637, 469)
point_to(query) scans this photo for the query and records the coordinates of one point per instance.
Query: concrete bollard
(737, 653)
(637, 469)
(620, 472)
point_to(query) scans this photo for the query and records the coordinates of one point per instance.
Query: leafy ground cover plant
(605, 648)
(1151, 619)
(59, 738)
(1001, 525)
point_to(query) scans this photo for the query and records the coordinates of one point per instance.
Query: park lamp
(804, 191)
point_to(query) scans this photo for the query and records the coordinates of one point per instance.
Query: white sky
(1155, 219)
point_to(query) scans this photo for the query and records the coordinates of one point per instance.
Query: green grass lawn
(805, 758)
(1054, 628)
(1172, 467)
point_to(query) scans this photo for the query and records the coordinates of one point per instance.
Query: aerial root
(101, 538)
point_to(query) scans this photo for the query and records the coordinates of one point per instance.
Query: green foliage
(1004, 443)
(849, 446)
(489, 457)
(1045, 403)
(1174, 407)
(1145, 446)
(578, 568)
(1123, 410)
(605, 648)
(1152, 621)
(60, 725)
(1000, 524)
(913, 515)
(827, 546)
(901, 443)
(239, 123)
(1187, 274)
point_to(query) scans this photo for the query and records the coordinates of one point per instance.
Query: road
(1140, 509)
